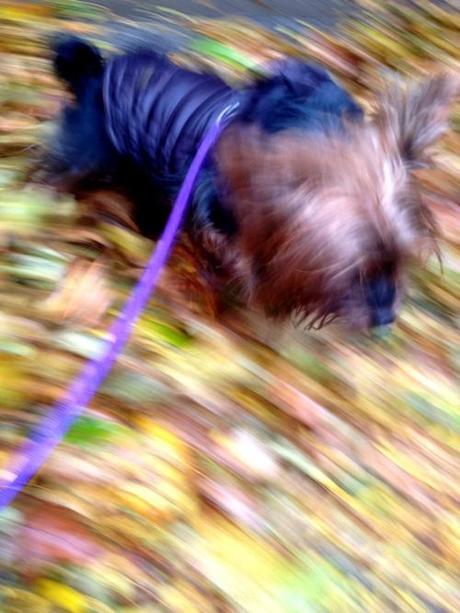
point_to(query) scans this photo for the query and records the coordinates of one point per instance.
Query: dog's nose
(382, 317)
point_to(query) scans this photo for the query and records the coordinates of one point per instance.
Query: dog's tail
(76, 62)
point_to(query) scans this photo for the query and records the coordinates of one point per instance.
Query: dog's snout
(380, 293)
(382, 317)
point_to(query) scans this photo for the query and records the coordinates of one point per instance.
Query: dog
(311, 208)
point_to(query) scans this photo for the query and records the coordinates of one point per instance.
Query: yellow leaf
(24, 13)
(163, 440)
(145, 499)
(62, 596)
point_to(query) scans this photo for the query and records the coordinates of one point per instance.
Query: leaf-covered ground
(212, 473)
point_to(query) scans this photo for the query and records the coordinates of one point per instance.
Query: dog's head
(329, 225)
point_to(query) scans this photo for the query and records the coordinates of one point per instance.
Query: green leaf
(221, 51)
(90, 430)
(163, 332)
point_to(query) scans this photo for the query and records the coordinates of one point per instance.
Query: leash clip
(228, 112)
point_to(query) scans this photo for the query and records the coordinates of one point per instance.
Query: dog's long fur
(313, 209)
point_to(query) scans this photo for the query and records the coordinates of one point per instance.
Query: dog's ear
(413, 118)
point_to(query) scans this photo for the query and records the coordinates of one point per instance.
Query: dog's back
(157, 113)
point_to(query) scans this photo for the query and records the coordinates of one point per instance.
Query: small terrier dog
(310, 207)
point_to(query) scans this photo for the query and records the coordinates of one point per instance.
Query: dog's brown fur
(318, 214)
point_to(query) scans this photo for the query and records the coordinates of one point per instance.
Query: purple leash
(51, 430)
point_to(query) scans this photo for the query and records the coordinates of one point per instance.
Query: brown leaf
(83, 296)
(54, 534)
